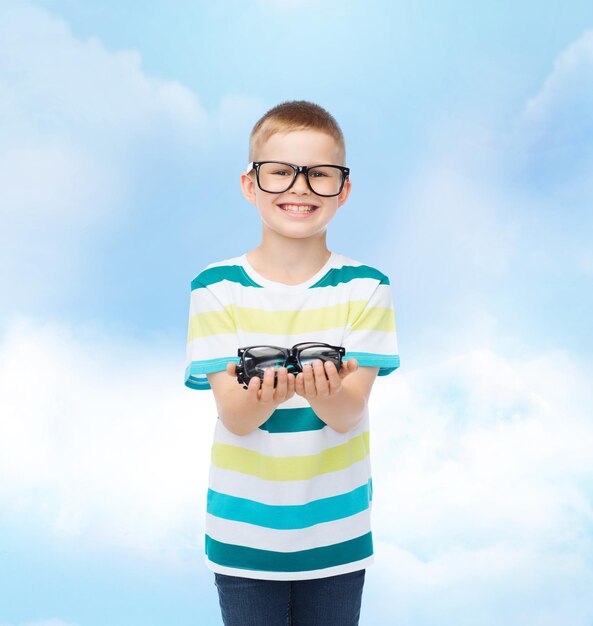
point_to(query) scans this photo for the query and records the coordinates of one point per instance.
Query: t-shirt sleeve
(371, 337)
(211, 337)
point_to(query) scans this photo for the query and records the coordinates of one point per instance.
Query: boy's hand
(266, 392)
(323, 380)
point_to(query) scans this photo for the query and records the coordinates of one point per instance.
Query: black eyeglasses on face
(277, 177)
(254, 360)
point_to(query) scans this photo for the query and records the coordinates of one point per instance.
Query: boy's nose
(300, 183)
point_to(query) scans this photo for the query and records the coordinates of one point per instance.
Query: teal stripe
(293, 421)
(232, 273)
(242, 557)
(194, 372)
(290, 517)
(346, 273)
(194, 383)
(208, 366)
(386, 363)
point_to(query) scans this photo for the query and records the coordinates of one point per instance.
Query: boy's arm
(242, 411)
(339, 400)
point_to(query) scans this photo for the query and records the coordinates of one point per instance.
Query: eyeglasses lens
(308, 355)
(277, 177)
(258, 359)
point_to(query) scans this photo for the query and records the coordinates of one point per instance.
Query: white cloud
(482, 449)
(500, 220)
(64, 96)
(497, 585)
(569, 84)
(482, 473)
(85, 133)
(552, 140)
(99, 439)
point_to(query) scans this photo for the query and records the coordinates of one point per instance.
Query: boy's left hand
(323, 380)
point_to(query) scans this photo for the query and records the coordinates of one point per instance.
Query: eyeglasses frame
(292, 355)
(300, 169)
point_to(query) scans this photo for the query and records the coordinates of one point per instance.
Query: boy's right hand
(265, 392)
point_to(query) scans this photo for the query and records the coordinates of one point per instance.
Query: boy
(288, 511)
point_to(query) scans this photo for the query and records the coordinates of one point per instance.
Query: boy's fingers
(253, 388)
(321, 384)
(333, 377)
(231, 369)
(348, 367)
(282, 384)
(291, 384)
(299, 384)
(267, 391)
(309, 380)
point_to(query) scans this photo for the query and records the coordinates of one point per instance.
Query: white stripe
(277, 492)
(296, 402)
(227, 344)
(373, 341)
(306, 575)
(261, 538)
(213, 347)
(333, 336)
(203, 300)
(307, 299)
(289, 444)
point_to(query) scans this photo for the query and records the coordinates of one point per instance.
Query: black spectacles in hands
(254, 360)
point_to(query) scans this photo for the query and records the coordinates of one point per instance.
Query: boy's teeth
(297, 208)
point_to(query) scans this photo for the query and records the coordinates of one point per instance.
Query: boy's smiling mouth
(298, 208)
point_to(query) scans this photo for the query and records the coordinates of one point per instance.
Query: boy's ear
(344, 193)
(248, 187)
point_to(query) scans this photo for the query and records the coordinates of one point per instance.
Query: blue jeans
(332, 601)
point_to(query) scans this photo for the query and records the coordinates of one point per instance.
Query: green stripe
(293, 421)
(353, 313)
(232, 273)
(210, 323)
(291, 322)
(286, 468)
(289, 517)
(347, 273)
(295, 322)
(375, 318)
(242, 557)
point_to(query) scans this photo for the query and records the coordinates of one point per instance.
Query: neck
(289, 260)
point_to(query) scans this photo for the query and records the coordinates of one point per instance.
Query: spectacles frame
(291, 357)
(301, 169)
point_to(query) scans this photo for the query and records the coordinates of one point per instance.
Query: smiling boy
(288, 514)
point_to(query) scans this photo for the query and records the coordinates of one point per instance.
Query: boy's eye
(283, 172)
(317, 174)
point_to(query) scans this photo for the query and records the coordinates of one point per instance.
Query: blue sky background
(469, 130)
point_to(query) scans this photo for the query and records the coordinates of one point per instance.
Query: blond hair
(295, 115)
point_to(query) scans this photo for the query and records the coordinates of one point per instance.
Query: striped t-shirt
(292, 499)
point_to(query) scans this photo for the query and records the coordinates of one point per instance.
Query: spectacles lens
(258, 359)
(275, 177)
(326, 180)
(324, 353)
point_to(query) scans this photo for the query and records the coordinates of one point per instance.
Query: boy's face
(277, 211)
